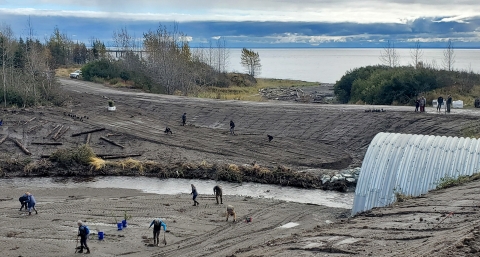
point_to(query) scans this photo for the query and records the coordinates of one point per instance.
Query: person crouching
(231, 212)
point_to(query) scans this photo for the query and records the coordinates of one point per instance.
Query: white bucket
(113, 108)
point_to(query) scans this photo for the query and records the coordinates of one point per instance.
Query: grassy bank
(249, 93)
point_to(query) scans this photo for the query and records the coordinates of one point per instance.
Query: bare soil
(312, 138)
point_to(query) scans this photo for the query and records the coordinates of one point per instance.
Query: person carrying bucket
(83, 232)
(157, 224)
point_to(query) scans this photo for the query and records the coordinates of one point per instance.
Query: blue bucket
(119, 225)
(124, 223)
(100, 235)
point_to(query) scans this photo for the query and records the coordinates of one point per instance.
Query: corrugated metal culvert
(411, 165)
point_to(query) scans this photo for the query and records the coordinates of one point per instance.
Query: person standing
(417, 104)
(232, 127)
(31, 203)
(195, 194)
(23, 200)
(439, 103)
(217, 190)
(83, 233)
(157, 224)
(422, 104)
(184, 119)
(449, 103)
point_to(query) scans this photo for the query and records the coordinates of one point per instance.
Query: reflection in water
(178, 186)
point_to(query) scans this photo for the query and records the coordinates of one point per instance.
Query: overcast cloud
(259, 23)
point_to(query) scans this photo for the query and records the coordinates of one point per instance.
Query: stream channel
(182, 186)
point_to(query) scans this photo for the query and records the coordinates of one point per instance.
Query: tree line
(160, 62)
(387, 85)
(391, 83)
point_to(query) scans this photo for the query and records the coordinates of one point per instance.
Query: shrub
(67, 157)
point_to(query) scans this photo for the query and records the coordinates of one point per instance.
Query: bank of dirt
(308, 139)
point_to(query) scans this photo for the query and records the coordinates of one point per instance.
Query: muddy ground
(307, 137)
(442, 223)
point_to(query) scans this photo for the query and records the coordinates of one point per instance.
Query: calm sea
(327, 65)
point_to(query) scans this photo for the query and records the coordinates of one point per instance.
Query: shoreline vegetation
(82, 161)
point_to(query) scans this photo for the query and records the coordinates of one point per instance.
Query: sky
(256, 23)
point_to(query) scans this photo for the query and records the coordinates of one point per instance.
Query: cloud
(368, 11)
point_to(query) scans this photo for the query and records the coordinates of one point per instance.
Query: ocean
(327, 65)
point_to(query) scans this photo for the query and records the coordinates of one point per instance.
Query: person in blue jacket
(83, 233)
(157, 224)
(31, 203)
(23, 200)
(195, 194)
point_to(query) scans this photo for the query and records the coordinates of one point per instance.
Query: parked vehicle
(76, 74)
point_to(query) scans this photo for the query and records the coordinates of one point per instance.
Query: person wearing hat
(83, 232)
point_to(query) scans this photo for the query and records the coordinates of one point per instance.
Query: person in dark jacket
(449, 103)
(439, 103)
(83, 232)
(417, 104)
(157, 224)
(217, 190)
(23, 200)
(31, 203)
(195, 194)
(232, 127)
(184, 119)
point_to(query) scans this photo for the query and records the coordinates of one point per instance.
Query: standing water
(182, 186)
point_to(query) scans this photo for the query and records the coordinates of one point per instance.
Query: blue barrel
(119, 225)
(124, 223)
(100, 235)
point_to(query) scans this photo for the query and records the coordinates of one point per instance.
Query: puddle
(182, 186)
(289, 225)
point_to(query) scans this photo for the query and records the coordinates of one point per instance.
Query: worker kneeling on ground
(231, 212)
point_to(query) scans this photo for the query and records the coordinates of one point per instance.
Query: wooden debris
(113, 135)
(58, 132)
(89, 136)
(86, 132)
(47, 143)
(21, 146)
(3, 139)
(33, 128)
(29, 120)
(112, 142)
(105, 157)
(61, 133)
(53, 130)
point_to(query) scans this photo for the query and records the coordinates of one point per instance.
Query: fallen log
(89, 136)
(86, 132)
(47, 143)
(29, 120)
(112, 142)
(113, 135)
(33, 128)
(3, 139)
(61, 134)
(51, 132)
(58, 132)
(21, 146)
(105, 157)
